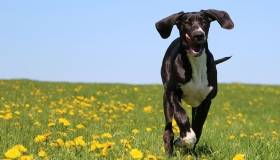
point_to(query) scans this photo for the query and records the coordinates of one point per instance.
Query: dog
(189, 73)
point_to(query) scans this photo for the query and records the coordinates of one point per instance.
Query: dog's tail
(221, 60)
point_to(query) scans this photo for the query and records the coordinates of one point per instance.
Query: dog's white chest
(197, 89)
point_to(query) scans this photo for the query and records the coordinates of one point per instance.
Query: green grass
(243, 119)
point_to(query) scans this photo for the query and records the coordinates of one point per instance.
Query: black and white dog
(189, 72)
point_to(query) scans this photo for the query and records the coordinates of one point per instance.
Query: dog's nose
(198, 36)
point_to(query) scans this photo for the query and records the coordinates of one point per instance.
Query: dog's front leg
(199, 115)
(187, 136)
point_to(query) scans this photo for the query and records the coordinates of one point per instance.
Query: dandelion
(106, 147)
(79, 141)
(242, 135)
(50, 124)
(136, 154)
(59, 142)
(95, 145)
(135, 131)
(106, 135)
(15, 152)
(148, 109)
(69, 144)
(150, 157)
(274, 135)
(7, 116)
(42, 153)
(26, 157)
(239, 156)
(80, 126)
(17, 112)
(175, 126)
(148, 129)
(64, 121)
(231, 137)
(41, 138)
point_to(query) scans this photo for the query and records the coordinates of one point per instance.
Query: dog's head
(193, 27)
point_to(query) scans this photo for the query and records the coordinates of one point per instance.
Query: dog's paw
(188, 141)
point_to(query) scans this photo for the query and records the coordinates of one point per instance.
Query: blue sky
(116, 41)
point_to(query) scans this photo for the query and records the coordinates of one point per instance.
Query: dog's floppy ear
(222, 17)
(164, 26)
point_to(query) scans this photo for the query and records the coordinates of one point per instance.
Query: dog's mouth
(195, 48)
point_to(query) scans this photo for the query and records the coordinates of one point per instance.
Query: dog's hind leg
(168, 135)
(199, 115)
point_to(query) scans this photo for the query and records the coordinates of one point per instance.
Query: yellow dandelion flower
(106, 135)
(15, 152)
(26, 157)
(106, 148)
(148, 129)
(95, 145)
(69, 144)
(64, 121)
(274, 133)
(50, 124)
(79, 141)
(239, 156)
(40, 138)
(7, 116)
(42, 153)
(20, 147)
(231, 137)
(148, 109)
(135, 131)
(59, 142)
(125, 143)
(17, 112)
(80, 126)
(37, 123)
(175, 126)
(136, 154)
(150, 157)
(242, 135)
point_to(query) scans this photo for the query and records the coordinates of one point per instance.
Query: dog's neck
(199, 69)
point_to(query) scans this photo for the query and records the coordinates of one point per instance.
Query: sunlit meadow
(43, 120)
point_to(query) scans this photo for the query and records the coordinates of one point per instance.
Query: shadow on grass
(201, 150)
(204, 150)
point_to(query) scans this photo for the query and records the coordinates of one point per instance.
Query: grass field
(43, 120)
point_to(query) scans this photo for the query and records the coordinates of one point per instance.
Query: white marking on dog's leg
(190, 139)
